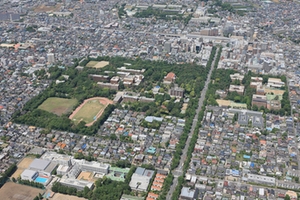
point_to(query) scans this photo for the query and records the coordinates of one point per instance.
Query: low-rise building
(99, 78)
(170, 78)
(236, 76)
(275, 82)
(274, 105)
(78, 184)
(28, 174)
(176, 91)
(266, 180)
(259, 100)
(108, 85)
(141, 179)
(93, 166)
(237, 88)
(188, 193)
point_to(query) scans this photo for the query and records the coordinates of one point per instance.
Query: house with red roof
(170, 78)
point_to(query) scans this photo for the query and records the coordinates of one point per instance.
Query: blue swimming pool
(41, 180)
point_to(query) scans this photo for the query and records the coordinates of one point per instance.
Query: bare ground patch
(14, 191)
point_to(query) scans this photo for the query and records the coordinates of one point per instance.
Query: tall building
(50, 58)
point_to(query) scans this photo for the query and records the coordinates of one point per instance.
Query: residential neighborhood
(149, 99)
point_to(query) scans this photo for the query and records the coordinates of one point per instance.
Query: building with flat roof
(115, 80)
(28, 174)
(236, 76)
(275, 82)
(7, 16)
(62, 169)
(37, 151)
(129, 197)
(259, 100)
(237, 88)
(59, 159)
(99, 78)
(108, 85)
(188, 193)
(129, 98)
(141, 179)
(266, 180)
(93, 166)
(39, 164)
(74, 171)
(176, 91)
(50, 58)
(131, 71)
(256, 85)
(274, 105)
(256, 79)
(78, 184)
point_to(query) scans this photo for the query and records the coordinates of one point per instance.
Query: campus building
(28, 174)
(93, 166)
(78, 184)
(141, 179)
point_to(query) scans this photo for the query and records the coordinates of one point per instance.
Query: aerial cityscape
(149, 100)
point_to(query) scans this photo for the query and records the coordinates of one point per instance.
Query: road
(294, 128)
(178, 171)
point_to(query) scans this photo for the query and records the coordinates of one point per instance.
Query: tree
(192, 93)
(287, 197)
(255, 108)
(123, 164)
(113, 137)
(121, 86)
(235, 117)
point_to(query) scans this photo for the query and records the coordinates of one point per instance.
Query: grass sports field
(58, 106)
(97, 64)
(14, 191)
(90, 110)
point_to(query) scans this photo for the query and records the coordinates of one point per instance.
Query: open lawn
(24, 164)
(58, 106)
(88, 111)
(14, 191)
(97, 64)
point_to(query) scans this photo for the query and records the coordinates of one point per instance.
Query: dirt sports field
(58, 196)
(44, 8)
(58, 106)
(88, 176)
(90, 110)
(24, 164)
(97, 64)
(14, 191)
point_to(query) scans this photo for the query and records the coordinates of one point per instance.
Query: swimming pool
(41, 180)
